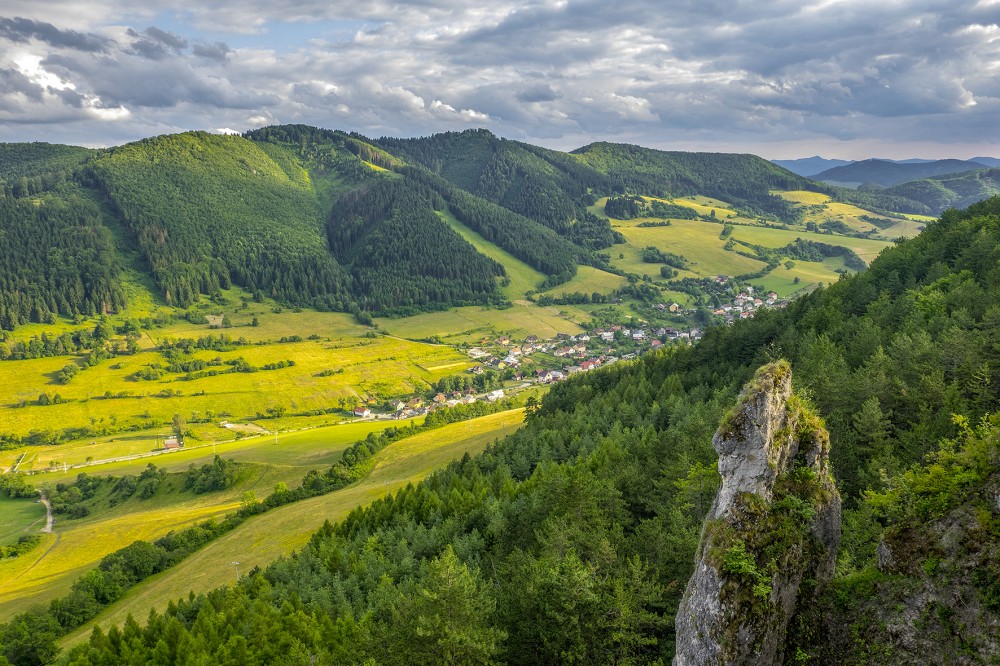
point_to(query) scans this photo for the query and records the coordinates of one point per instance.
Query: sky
(846, 79)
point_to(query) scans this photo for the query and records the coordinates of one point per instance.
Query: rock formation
(770, 539)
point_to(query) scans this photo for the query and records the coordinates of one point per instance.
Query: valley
(369, 315)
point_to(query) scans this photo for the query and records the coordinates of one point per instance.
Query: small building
(172, 443)
(362, 411)
(493, 396)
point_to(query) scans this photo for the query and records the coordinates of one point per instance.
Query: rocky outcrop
(770, 540)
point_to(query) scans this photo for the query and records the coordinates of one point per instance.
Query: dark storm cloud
(21, 30)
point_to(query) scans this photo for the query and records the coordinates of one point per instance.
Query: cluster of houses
(745, 305)
(419, 407)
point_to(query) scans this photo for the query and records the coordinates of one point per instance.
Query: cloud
(697, 74)
(22, 30)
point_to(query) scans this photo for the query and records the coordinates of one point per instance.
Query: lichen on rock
(771, 536)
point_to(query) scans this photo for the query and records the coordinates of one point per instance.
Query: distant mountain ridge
(809, 166)
(888, 173)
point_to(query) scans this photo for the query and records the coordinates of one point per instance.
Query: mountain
(988, 161)
(309, 216)
(810, 166)
(887, 173)
(574, 537)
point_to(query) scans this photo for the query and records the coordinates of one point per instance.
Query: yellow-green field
(523, 278)
(49, 570)
(470, 324)
(309, 448)
(278, 532)
(364, 367)
(820, 208)
(589, 280)
(695, 240)
(865, 248)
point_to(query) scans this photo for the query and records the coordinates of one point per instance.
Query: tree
(450, 616)
(178, 427)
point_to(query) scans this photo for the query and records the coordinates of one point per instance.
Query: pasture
(326, 371)
(19, 517)
(280, 531)
(589, 280)
(697, 241)
(467, 325)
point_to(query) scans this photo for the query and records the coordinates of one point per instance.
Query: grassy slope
(522, 277)
(589, 280)
(304, 448)
(697, 241)
(254, 543)
(470, 324)
(18, 517)
(80, 544)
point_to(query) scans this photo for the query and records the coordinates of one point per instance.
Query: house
(503, 340)
(587, 366)
(563, 351)
(476, 352)
(573, 369)
(440, 397)
(607, 336)
(583, 337)
(414, 403)
(469, 399)
(400, 406)
(674, 307)
(638, 335)
(171, 443)
(531, 339)
(493, 396)
(655, 344)
(362, 412)
(453, 403)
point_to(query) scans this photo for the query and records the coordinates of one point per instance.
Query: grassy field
(695, 240)
(303, 448)
(865, 248)
(19, 517)
(820, 208)
(364, 367)
(264, 538)
(523, 278)
(470, 324)
(589, 280)
(79, 544)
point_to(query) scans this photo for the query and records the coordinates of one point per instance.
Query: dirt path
(48, 513)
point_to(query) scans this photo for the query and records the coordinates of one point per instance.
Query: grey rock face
(774, 523)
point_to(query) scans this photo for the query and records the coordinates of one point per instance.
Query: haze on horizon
(839, 78)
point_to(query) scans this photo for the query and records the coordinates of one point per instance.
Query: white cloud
(841, 73)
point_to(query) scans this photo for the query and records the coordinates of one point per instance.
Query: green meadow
(266, 537)
(468, 325)
(19, 517)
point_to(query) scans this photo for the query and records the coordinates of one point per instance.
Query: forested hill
(282, 213)
(573, 539)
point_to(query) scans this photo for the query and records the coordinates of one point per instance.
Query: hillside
(950, 191)
(887, 174)
(576, 535)
(176, 219)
